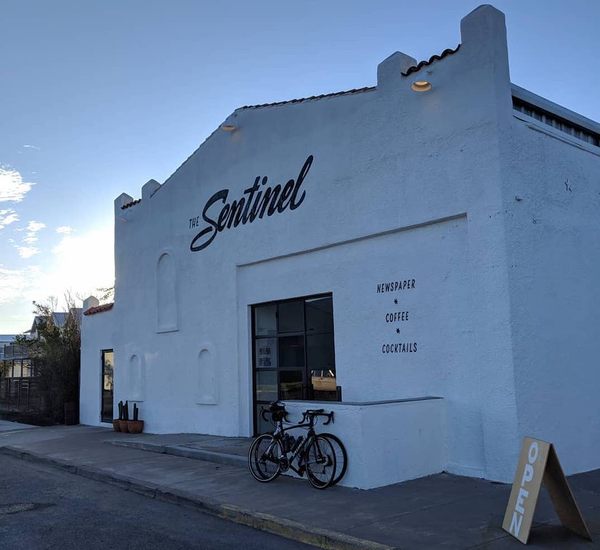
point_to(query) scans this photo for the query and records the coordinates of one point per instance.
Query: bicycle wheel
(341, 456)
(263, 458)
(320, 462)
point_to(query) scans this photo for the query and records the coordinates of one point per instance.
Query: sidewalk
(441, 511)
(9, 426)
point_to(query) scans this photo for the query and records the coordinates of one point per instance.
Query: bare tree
(56, 355)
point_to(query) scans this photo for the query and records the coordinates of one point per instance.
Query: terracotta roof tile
(130, 204)
(98, 309)
(313, 97)
(420, 65)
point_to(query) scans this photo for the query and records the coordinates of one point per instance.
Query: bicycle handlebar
(318, 412)
(263, 411)
(309, 413)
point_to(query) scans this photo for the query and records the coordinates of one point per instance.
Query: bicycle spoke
(263, 458)
(320, 462)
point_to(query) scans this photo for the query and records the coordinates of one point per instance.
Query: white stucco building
(424, 262)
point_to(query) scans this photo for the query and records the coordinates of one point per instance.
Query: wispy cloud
(31, 147)
(34, 226)
(12, 186)
(15, 282)
(27, 251)
(7, 217)
(32, 229)
(64, 230)
(30, 238)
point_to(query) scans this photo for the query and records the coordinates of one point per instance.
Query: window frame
(305, 369)
(102, 390)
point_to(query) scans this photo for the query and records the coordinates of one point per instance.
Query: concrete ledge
(413, 430)
(359, 403)
(323, 538)
(186, 452)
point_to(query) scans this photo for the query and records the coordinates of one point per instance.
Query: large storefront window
(108, 361)
(293, 353)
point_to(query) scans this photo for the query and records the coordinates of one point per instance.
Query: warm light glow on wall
(421, 86)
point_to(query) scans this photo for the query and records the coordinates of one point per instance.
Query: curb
(184, 451)
(322, 538)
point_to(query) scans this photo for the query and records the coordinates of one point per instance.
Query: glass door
(106, 413)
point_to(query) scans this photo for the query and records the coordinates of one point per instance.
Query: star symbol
(395, 301)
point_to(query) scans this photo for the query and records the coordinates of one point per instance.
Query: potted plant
(123, 416)
(135, 426)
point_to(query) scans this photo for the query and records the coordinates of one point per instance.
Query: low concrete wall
(387, 441)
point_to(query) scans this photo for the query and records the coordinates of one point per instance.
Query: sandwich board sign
(538, 463)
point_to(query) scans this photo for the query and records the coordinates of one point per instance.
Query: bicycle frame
(288, 462)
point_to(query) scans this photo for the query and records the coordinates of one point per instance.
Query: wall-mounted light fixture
(228, 127)
(421, 86)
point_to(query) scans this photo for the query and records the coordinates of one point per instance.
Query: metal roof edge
(555, 108)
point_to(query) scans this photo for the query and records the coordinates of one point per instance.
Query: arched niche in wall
(207, 378)
(135, 378)
(166, 294)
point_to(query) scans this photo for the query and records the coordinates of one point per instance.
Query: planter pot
(123, 425)
(135, 426)
(116, 426)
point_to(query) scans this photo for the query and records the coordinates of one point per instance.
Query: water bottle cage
(288, 442)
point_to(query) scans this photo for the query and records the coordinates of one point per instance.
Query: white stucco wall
(552, 202)
(96, 335)
(403, 186)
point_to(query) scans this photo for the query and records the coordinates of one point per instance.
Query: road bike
(313, 454)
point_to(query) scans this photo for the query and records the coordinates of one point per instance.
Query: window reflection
(290, 384)
(291, 351)
(106, 413)
(265, 320)
(266, 385)
(291, 316)
(319, 315)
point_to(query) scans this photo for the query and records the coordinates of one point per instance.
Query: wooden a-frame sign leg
(538, 463)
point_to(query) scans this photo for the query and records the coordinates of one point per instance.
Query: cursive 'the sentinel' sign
(256, 201)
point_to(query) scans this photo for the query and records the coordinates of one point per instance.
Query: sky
(98, 97)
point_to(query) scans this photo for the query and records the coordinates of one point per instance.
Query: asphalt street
(45, 508)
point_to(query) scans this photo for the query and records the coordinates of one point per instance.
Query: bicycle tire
(270, 450)
(341, 457)
(319, 460)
